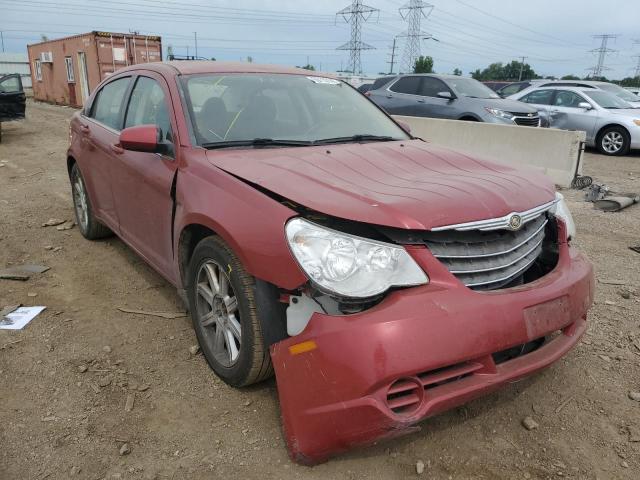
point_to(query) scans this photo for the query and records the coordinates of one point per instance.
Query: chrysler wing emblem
(515, 222)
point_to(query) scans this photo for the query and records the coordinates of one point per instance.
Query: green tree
(423, 65)
(307, 67)
(630, 82)
(570, 77)
(510, 71)
(457, 71)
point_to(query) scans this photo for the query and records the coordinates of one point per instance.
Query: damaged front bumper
(352, 380)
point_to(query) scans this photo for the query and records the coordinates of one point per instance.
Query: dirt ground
(65, 378)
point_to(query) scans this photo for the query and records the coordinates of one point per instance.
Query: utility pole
(2, 39)
(393, 55)
(637, 72)
(195, 38)
(413, 12)
(602, 53)
(356, 14)
(521, 68)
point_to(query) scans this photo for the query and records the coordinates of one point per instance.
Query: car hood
(627, 112)
(503, 104)
(410, 184)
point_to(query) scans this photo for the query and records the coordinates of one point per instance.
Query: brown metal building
(66, 70)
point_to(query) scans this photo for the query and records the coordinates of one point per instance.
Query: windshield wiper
(355, 138)
(256, 142)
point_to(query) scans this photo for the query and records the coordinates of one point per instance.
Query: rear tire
(222, 302)
(89, 226)
(614, 141)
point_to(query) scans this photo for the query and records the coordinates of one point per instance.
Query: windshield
(606, 100)
(468, 87)
(618, 91)
(245, 107)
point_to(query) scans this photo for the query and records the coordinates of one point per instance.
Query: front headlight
(350, 266)
(561, 210)
(496, 112)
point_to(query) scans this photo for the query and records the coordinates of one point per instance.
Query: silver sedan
(612, 125)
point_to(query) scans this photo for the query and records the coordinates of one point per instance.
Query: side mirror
(141, 138)
(404, 126)
(447, 95)
(585, 105)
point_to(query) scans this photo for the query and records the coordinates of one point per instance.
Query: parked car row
(449, 96)
(608, 113)
(612, 125)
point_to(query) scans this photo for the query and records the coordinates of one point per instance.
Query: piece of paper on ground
(17, 319)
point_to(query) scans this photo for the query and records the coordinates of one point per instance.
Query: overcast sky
(555, 35)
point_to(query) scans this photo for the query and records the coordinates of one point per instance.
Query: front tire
(614, 141)
(223, 310)
(89, 226)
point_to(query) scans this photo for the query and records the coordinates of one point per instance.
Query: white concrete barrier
(557, 153)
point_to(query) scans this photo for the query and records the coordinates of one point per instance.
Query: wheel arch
(609, 125)
(272, 312)
(467, 117)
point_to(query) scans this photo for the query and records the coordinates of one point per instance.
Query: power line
(356, 14)
(413, 12)
(602, 53)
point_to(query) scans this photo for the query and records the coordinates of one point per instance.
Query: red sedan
(383, 278)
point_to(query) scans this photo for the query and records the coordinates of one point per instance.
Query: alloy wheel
(217, 311)
(80, 203)
(612, 142)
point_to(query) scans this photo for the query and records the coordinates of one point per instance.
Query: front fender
(249, 221)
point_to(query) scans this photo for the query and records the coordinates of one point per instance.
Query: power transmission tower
(602, 53)
(413, 12)
(356, 14)
(393, 55)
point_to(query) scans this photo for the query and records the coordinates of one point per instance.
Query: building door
(84, 76)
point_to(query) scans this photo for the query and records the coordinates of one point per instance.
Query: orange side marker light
(302, 347)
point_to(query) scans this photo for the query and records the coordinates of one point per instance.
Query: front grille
(525, 120)
(488, 260)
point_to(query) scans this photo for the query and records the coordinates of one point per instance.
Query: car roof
(194, 67)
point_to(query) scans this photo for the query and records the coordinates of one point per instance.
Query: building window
(69, 64)
(38, 69)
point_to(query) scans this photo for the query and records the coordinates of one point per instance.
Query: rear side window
(148, 107)
(432, 86)
(408, 85)
(539, 97)
(107, 106)
(513, 88)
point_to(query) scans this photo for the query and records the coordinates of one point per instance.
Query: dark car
(452, 97)
(12, 99)
(383, 278)
(495, 86)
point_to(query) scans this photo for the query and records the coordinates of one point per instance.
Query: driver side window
(148, 106)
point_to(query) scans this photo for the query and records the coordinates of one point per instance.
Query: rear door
(401, 97)
(142, 181)
(12, 98)
(99, 130)
(567, 115)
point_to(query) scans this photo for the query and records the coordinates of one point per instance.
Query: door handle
(389, 96)
(420, 101)
(84, 128)
(116, 148)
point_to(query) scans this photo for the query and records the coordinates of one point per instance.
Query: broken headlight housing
(561, 210)
(350, 266)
